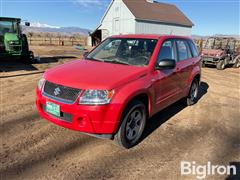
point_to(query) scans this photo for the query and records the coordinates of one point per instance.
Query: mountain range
(37, 27)
(45, 28)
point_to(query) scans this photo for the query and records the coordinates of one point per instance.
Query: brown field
(32, 148)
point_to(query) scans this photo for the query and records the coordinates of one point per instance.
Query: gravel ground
(32, 148)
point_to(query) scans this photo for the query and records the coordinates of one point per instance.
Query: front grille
(15, 48)
(207, 59)
(61, 93)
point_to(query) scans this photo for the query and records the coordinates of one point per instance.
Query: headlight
(96, 97)
(41, 83)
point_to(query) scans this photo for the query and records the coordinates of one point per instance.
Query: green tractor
(13, 43)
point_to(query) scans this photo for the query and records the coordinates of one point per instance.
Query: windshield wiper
(115, 61)
(92, 59)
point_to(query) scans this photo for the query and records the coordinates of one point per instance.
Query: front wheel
(221, 65)
(133, 124)
(29, 58)
(192, 97)
(237, 62)
(203, 65)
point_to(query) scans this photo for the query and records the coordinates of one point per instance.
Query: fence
(57, 41)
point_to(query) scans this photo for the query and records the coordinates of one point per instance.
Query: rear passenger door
(185, 62)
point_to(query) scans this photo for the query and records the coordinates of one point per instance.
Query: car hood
(87, 74)
(212, 52)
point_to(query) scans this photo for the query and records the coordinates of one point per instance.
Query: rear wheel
(193, 93)
(133, 124)
(221, 65)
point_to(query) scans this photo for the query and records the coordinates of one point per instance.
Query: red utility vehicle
(119, 85)
(221, 51)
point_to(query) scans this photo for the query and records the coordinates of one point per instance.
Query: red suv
(119, 85)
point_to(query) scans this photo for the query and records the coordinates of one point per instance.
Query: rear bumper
(101, 121)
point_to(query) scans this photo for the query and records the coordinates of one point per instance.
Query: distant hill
(44, 28)
(218, 35)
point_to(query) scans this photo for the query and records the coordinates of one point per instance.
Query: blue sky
(209, 16)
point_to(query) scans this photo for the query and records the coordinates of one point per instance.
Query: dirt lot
(32, 148)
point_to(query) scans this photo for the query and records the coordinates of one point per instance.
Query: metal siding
(128, 24)
(126, 19)
(158, 28)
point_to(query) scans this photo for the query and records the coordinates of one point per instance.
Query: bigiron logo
(202, 171)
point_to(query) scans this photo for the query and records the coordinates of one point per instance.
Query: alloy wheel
(134, 123)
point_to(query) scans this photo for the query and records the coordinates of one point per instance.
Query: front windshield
(214, 43)
(128, 51)
(209, 43)
(8, 27)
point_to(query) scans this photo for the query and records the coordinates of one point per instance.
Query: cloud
(91, 3)
(40, 25)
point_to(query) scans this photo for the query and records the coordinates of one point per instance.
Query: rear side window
(183, 50)
(167, 51)
(193, 49)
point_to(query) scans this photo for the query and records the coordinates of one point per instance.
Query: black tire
(192, 97)
(237, 62)
(29, 59)
(133, 124)
(221, 65)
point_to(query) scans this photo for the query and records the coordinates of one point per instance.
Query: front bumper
(101, 121)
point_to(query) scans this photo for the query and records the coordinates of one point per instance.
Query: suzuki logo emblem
(57, 91)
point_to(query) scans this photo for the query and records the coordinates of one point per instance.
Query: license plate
(53, 109)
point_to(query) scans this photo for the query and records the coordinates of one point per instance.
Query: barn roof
(157, 12)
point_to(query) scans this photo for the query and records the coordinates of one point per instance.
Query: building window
(116, 25)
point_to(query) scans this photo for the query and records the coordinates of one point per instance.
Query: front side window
(183, 51)
(193, 49)
(129, 51)
(167, 51)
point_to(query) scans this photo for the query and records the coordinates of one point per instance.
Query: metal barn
(141, 17)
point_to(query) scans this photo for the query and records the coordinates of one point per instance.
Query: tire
(221, 65)
(192, 97)
(29, 59)
(133, 124)
(237, 62)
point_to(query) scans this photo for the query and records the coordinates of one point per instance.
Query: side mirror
(27, 23)
(85, 54)
(166, 64)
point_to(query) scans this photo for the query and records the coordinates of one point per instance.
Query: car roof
(149, 36)
(9, 19)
